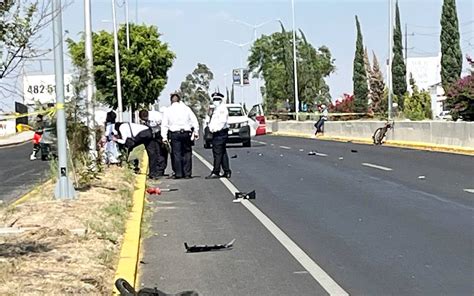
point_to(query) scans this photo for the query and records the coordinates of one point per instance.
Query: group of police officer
(175, 132)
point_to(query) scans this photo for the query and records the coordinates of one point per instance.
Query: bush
(460, 99)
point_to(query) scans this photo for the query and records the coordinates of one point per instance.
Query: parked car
(242, 126)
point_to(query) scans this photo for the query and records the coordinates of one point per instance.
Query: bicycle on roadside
(381, 133)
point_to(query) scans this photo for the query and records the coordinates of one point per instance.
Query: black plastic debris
(312, 153)
(354, 151)
(136, 166)
(234, 156)
(251, 195)
(207, 248)
(125, 289)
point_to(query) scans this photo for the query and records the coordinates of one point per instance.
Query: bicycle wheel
(378, 136)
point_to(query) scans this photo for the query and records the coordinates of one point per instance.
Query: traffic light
(245, 74)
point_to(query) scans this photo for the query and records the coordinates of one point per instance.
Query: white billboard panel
(42, 88)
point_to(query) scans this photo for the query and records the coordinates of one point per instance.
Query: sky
(195, 30)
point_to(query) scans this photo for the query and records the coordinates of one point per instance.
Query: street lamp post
(117, 66)
(295, 70)
(255, 27)
(90, 78)
(389, 63)
(241, 46)
(64, 187)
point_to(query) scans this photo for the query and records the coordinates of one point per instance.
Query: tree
(194, 90)
(451, 55)
(418, 105)
(20, 25)
(460, 99)
(368, 72)
(344, 105)
(143, 67)
(272, 57)
(359, 78)
(377, 87)
(399, 70)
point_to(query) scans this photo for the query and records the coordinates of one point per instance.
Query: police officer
(183, 127)
(153, 119)
(220, 132)
(132, 135)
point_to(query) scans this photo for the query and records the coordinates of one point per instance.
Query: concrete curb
(28, 195)
(14, 144)
(390, 143)
(127, 267)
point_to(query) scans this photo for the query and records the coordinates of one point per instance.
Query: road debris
(301, 150)
(312, 153)
(207, 248)
(354, 151)
(157, 190)
(234, 156)
(422, 177)
(242, 195)
(125, 289)
(341, 158)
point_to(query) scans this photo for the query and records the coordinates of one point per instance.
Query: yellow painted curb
(28, 195)
(390, 143)
(129, 254)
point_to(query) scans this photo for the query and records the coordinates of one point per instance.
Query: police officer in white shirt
(153, 119)
(132, 135)
(183, 127)
(220, 133)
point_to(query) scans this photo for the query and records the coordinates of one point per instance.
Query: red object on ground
(262, 127)
(153, 190)
(36, 138)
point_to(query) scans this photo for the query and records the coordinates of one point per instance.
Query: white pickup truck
(242, 126)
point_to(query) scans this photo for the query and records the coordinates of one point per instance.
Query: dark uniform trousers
(161, 158)
(145, 137)
(181, 146)
(219, 151)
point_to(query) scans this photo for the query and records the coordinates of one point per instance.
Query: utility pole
(117, 67)
(295, 70)
(64, 187)
(390, 53)
(127, 22)
(406, 44)
(90, 79)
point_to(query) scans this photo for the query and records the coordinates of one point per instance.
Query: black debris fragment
(354, 151)
(234, 156)
(207, 248)
(312, 153)
(251, 195)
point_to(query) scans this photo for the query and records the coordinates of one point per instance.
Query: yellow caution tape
(48, 112)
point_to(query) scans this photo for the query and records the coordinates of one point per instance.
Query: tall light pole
(127, 24)
(389, 63)
(254, 27)
(90, 78)
(241, 46)
(295, 68)
(64, 187)
(117, 66)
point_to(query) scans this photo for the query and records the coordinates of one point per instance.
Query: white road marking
(469, 190)
(258, 142)
(285, 147)
(300, 272)
(376, 166)
(312, 267)
(321, 154)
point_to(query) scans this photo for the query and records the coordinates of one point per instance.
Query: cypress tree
(359, 77)
(451, 55)
(377, 87)
(399, 70)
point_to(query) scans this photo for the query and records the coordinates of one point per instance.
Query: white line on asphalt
(312, 267)
(285, 147)
(469, 190)
(321, 154)
(259, 142)
(376, 166)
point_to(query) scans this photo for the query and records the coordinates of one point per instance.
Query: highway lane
(18, 174)
(402, 224)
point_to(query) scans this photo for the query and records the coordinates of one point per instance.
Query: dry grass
(50, 260)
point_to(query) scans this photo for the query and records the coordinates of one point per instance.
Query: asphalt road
(377, 220)
(18, 174)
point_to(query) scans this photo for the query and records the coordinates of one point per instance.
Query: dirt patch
(52, 258)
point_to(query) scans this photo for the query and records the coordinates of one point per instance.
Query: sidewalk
(202, 212)
(16, 139)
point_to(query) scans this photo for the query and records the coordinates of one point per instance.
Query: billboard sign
(42, 89)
